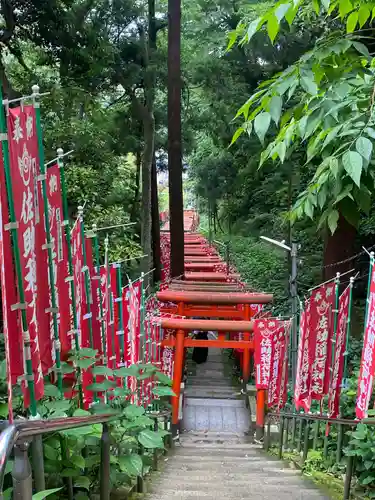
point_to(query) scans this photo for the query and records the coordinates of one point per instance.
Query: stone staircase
(214, 458)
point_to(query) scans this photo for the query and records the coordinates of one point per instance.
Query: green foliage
(327, 107)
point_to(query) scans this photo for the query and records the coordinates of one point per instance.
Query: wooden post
(261, 399)
(177, 377)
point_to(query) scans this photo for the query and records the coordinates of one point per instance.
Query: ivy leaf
(351, 23)
(164, 379)
(85, 363)
(51, 391)
(150, 439)
(101, 387)
(261, 125)
(131, 465)
(332, 220)
(275, 105)
(163, 391)
(134, 411)
(364, 147)
(83, 482)
(102, 370)
(131, 371)
(273, 27)
(353, 164)
(43, 494)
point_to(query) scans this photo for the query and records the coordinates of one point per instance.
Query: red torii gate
(233, 306)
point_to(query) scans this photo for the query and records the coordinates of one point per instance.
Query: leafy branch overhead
(322, 104)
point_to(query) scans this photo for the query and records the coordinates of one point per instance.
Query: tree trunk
(133, 212)
(339, 247)
(148, 151)
(176, 208)
(155, 222)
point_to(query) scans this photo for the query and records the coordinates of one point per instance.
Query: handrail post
(348, 477)
(306, 440)
(294, 429)
(105, 463)
(299, 440)
(286, 437)
(339, 443)
(316, 434)
(21, 473)
(267, 441)
(281, 437)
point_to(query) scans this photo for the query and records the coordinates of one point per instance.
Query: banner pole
(120, 313)
(60, 163)
(335, 317)
(52, 277)
(97, 270)
(142, 314)
(110, 297)
(17, 259)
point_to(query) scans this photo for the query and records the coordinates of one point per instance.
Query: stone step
(222, 402)
(221, 447)
(211, 394)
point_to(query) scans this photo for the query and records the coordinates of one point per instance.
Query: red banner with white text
(264, 334)
(60, 257)
(366, 374)
(23, 151)
(339, 355)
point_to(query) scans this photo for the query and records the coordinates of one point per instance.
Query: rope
(365, 251)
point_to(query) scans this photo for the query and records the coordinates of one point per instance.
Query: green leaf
(291, 14)
(368, 464)
(134, 411)
(236, 135)
(325, 4)
(353, 164)
(370, 132)
(70, 472)
(85, 363)
(332, 220)
(131, 371)
(131, 465)
(121, 391)
(367, 480)
(308, 83)
(43, 494)
(363, 15)
(102, 370)
(51, 391)
(316, 6)
(364, 147)
(273, 27)
(150, 439)
(352, 22)
(102, 386)
(78, 461)
(281, 10)
(83, 482)
(362, 49)
(87, 352)
(79, 412)
(164, 379)
(275, 106)
(261, 125)
(281, 151)
(345, 6)
(4, 410)
(67, 368)
(143, 421)
(252, 29)
(163, 391)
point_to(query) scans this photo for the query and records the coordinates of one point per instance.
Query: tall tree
(176, 217)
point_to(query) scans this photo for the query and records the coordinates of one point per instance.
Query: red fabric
(366, 375)
(115, 306)
(23, 150)
(283, 392)
(301, 372)
(322, 303)
(264, 336)
(60, 257)
(277, 362)
(95, 297)
(12, 327)
(338, 363)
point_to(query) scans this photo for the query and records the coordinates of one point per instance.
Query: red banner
(264, 332)
(366, 374)
(125, 319)
(78, 278)
(12, 327)
(134, 329)
(283, 398)
(338, 362)
(94, 295)
(104, 286)
(115, 308)
(60, 258)
(301, 375)
(23, 150)
(322, 304)
(277, 363)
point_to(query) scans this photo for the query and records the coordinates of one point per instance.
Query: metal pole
(293, 293)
